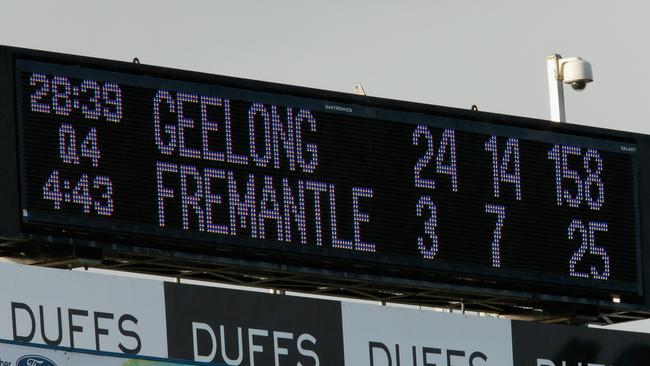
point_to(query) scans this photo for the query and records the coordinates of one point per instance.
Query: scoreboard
(433, 193)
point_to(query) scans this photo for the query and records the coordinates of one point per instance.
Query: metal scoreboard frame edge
(9, 203)
(11, 227)
(644, 215)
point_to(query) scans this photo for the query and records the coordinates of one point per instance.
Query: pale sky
(444, 52)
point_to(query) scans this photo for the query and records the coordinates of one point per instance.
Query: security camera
(576, 72)
(573, 71)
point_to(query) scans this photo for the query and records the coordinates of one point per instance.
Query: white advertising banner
(19, 355)
(54, 317)
(387, 336)
(80, 310)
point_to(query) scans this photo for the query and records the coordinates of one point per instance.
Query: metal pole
(555, 89)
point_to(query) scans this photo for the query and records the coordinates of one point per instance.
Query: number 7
(500, 211)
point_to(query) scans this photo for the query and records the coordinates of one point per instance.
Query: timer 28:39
(61, 96)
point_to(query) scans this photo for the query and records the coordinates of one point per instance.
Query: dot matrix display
(203, 163)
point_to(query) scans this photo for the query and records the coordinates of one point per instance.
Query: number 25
(588, 244)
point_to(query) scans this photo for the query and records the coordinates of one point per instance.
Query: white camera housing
(576, 72)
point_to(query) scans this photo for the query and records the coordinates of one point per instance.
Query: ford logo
(33, 360)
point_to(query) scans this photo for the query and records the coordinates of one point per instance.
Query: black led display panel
(219, 166)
